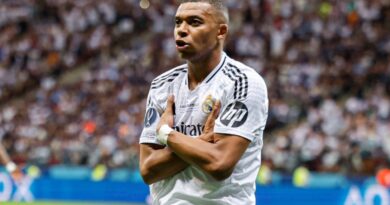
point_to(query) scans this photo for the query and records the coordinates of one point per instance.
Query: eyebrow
(189, 17)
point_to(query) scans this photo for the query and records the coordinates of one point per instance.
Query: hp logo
(235, 114)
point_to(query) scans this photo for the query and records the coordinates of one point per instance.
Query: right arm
(158, 162)
(4, 155)
(10, 166)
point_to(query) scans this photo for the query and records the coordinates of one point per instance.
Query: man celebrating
(190, 152)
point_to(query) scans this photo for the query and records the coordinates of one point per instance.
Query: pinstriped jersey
(244, 109)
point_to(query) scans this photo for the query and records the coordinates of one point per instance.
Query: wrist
(10, 167)
(163, 133)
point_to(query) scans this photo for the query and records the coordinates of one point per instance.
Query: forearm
(3, 155)
(201, 153)
(161, 164)
(9, 164)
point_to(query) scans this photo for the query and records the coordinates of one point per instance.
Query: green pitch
(66, 203)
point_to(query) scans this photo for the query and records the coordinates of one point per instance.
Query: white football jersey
(244, 109)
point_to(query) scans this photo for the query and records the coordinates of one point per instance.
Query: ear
(223, 31)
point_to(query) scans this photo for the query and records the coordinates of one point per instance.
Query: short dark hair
(217, 4)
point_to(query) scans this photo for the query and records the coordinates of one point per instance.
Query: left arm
(243, 120)
(218, 158)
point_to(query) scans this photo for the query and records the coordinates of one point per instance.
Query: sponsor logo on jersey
(185, 106)
(193, 130)
(150, 117)
(208, 104)
(235, 114)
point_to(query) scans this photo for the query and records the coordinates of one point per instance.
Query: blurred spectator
(326, 64)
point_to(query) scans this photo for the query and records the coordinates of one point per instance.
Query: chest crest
(208, 103)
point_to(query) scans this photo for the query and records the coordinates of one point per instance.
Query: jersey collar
(217, 68)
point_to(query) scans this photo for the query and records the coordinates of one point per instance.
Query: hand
(167, 116)
(208, 130)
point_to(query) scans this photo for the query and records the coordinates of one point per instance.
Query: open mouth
(180, 43)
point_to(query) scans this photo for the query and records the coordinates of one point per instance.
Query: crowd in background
(325, 62)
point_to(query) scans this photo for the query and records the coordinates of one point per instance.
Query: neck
(199, 69)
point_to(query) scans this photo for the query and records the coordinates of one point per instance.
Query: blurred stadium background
(74, 75)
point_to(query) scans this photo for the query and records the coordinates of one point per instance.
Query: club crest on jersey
(207, 105)
(150, 117)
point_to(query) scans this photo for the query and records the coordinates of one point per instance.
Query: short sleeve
(151, 119)
(244, 110)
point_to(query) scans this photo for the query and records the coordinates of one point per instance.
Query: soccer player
(10, 166)
(190, 153)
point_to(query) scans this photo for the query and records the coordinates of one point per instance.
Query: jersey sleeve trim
(229, 131)
(168, 77)
(240, 79)
(147, 140)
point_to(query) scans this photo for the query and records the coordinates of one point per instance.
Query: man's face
(196, 30)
